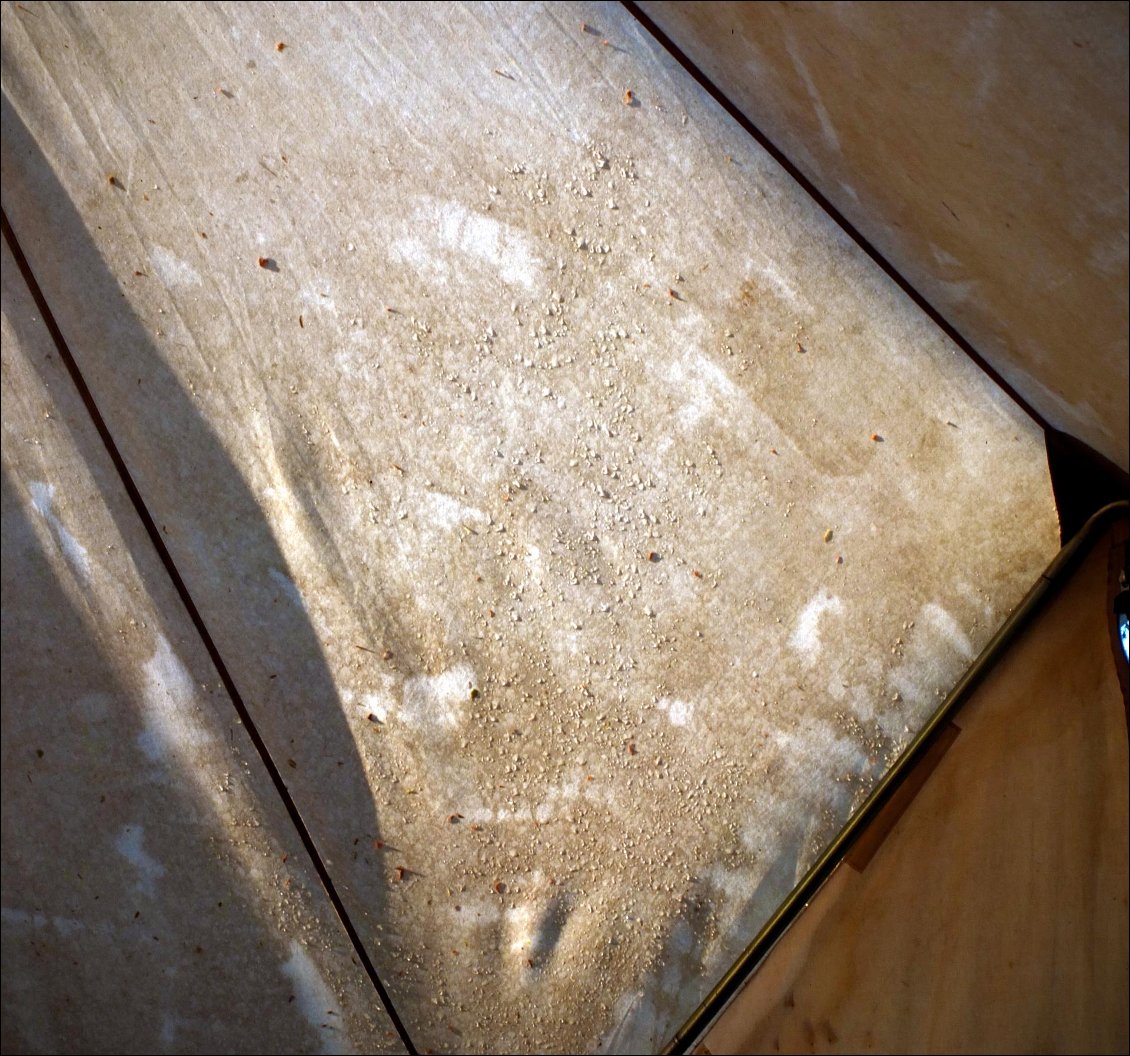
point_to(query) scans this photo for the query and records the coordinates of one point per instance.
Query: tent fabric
(583, 520)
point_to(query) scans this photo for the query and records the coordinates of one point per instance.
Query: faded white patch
(168, 1035)
(948, 628)
(497, 244)
(637, 1025)
(299, 542)
(736, 885)
(170, 723)
(68, 926)
(576, 787)
(943, 257)
(96, 707)
(42, 498)
(815, 747)
(476, 912)
(477, 815)
(680, 712)
(289, 588)
(534, 561)
(315, 297)
(380, 701)
(805, 638)
(835, 686)
(171, 270)
(128, 843)
(1079, 418)
(543, 812)
(826, 126)
(315, 1000)
(928, 670)
(22, 918)
(504, 248)
(632, 1016)
(443, 511)
(978, 51)
(959, 290)
(482, 814)
(520, 924)
(437, 700)
(716, 378)
(1108, 254)
(706, 383)
(912, 685)
(768, 272)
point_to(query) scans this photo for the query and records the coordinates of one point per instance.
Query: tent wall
(981, 148)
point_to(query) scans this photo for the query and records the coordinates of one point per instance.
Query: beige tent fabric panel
(981, 148)
(585, 521)
(994, 917)
(156, 895)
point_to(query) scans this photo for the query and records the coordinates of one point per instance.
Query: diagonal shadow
(86, 800)
(224, 546)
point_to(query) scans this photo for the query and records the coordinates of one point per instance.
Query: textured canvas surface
(585, 521)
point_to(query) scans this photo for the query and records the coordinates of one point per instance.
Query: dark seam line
(198, 621)
(849, 229)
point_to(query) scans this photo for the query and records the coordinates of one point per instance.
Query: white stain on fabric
(948, 628)
(535, 563)
(96, 707)
(476, 913)
(519, 923)
(826, 126)
(637, 1023)
(706, 383)
(171, 270)
(505, 249)
(977, 50)
(22, 918)
(316, 297)
(805, 638)
(770, 273)
(289, 588)
(314, 998)
(1108, 252)
(496, 244)
(736, 885)
(443, 511)
(679, 712)
(633, 1008)
(959, 291)
(66, 927)
(542, 813)
(437, 700)
(913, 686)
(379, 702)
(129, 844)
(42, 499)
(577, 787)
(946, 259)
(168, 1035)
(171, 726)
